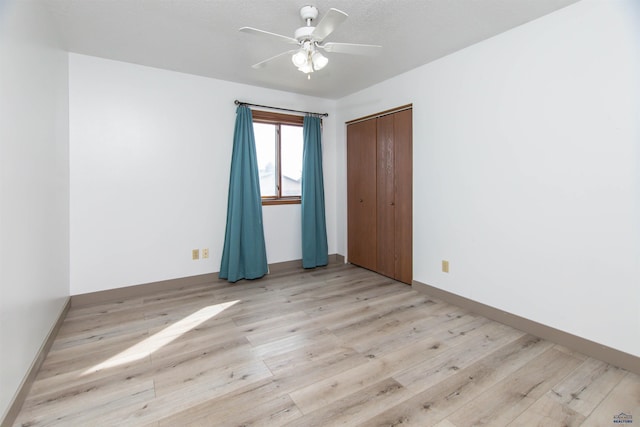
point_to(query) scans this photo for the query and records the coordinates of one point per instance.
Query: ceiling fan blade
(352, 48)
(328, 23)
(267, 34)
(263, 64)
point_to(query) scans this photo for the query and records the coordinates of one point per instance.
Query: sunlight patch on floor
(158, 340)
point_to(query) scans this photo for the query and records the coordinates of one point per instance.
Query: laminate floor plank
(248, 314)
(92, 310)
(299, 344)
(276, 321)
(548, 412)
(251, 395)
(338, 301)
(273, 333)
(379, 288)
(275, 412)
(441, 396)
(444, 354)
(98, 325)
(506, 400)
(312, 370)
(405, 333)
(587, 386)
(338, 345)
(621, 404)
(194, 378)
(84, 351)
(349, 382)
(356, 407)
(504, 351)
(205, 341)
(86, 409)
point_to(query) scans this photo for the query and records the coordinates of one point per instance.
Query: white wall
(150, 157)
(34, 188)
(527, 170)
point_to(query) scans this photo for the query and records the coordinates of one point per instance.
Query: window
(279, 143)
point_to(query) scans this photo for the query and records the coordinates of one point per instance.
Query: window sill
(283, 201)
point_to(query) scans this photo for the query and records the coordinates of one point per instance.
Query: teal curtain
(244, 255)
(314, 227)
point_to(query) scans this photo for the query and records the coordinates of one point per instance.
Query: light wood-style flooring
(333, 346)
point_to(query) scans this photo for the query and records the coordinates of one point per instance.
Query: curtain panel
(314, 228)
(244, 255)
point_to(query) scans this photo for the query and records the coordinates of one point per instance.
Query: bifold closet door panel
(361, 194)
(385, 183)
(403, 160)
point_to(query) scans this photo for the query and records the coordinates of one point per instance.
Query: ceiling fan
(310, 41)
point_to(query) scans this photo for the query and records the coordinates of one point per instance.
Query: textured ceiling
(201, 36)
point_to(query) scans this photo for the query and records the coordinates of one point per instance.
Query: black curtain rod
(278, 108)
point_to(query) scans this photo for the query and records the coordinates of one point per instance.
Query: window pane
(265, 135)
(291, 157)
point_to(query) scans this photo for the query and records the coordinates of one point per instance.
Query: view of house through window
(279, 151)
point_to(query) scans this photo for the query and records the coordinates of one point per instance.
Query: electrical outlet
(195, 254)
(445, 266)
(205, 253)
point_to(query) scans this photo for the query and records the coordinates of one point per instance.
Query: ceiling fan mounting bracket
(308, 13)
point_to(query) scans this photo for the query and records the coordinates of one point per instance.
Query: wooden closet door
(361, 194)
(385, 215)
(403, 169)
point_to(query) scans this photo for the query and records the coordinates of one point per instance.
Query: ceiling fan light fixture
(306, 68)
(319, 60)
(300, 58)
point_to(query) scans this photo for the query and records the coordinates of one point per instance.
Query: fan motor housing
(304, 33)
